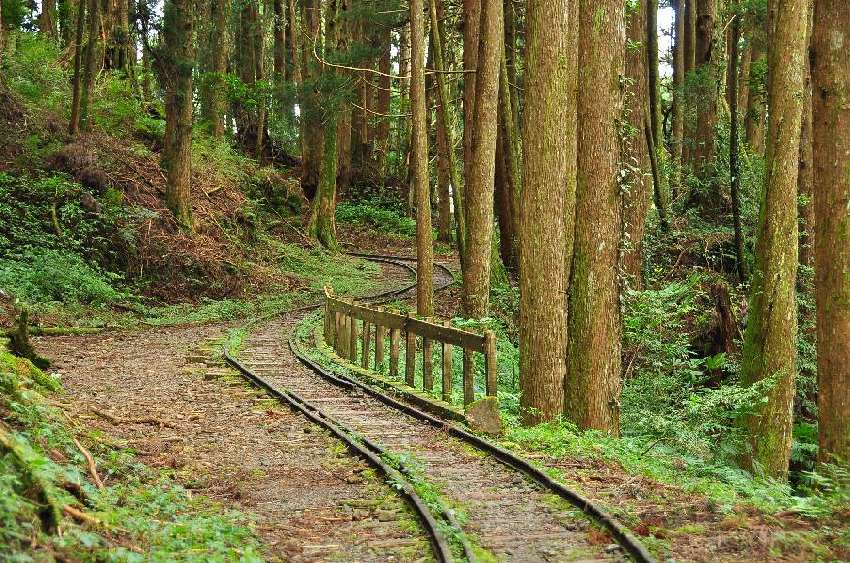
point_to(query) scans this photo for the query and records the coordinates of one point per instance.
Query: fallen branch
(143, 420)
(91, 465)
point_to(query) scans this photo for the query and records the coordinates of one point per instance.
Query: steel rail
(366, 449)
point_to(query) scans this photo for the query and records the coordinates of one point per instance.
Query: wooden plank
(395, 338)
(447, 370)
(367, 334)
(422, 328)
(468, 377)
(490, 362)
(343, 335)
(410, 359)
(454, 336)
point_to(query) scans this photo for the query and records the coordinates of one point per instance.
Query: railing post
(339, 320)
(395, 338)
(380, 334)
(329, 322)
(410, 355)
(447, 368)
(427, 364)
(490, 363)
(343, 335)
(367, 334)
(352, 340)
(468, 377)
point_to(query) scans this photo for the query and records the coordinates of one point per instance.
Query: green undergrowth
(141, 515)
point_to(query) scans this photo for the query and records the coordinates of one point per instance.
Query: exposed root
(91, 464)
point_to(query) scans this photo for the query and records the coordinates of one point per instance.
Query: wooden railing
(350, 329)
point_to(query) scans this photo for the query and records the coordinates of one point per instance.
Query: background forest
(645, 199)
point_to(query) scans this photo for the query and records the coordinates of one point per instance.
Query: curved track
(506, 506)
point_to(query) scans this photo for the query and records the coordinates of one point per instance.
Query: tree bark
(770, 344)
(311, 114)
(419, 162)
(177, 63)
(47, 18)
(755, 116)
(279, 48)
(831, 78)
(542, 283)
(479, 183)
(593, 360)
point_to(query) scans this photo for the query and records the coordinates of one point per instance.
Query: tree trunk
(635, 148)
(382, 130)
(47, 18)
(678, 95)
(419, 163)
(542, 283)
(92, 66)
(755, 102)
(479, 182)
(770, 344)
(74, 123)
(831, 77)
(323, 218)
(734, 167)
(177, 65)
(279, 48)
(593, 360)
(805, 180)
(690, 35)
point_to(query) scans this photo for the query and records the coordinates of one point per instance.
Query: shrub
(382, 219)
(52, 276)
(34, 72)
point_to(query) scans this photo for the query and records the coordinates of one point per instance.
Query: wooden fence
(351, 329)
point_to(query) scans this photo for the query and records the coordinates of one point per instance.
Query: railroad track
(475, 500)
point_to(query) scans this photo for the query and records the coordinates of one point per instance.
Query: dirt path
(311, 500)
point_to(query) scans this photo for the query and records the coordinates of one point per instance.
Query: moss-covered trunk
(593, 358)
(770, 343)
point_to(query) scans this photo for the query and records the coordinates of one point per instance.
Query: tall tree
(770, 346)
(176, 62)
(312, 138)
(755, 116)
(74, 122)
(805, 180)
(593, 358)
(542, 324)
(635, 147)
(660, 183)
(445, 131)
(92, 63)
(707, 95)
(212, 91)
(322, 225)
(478, 189)
(678, 93)
(419, 163)
(734, 165)
(831, 77)
(47, 18)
